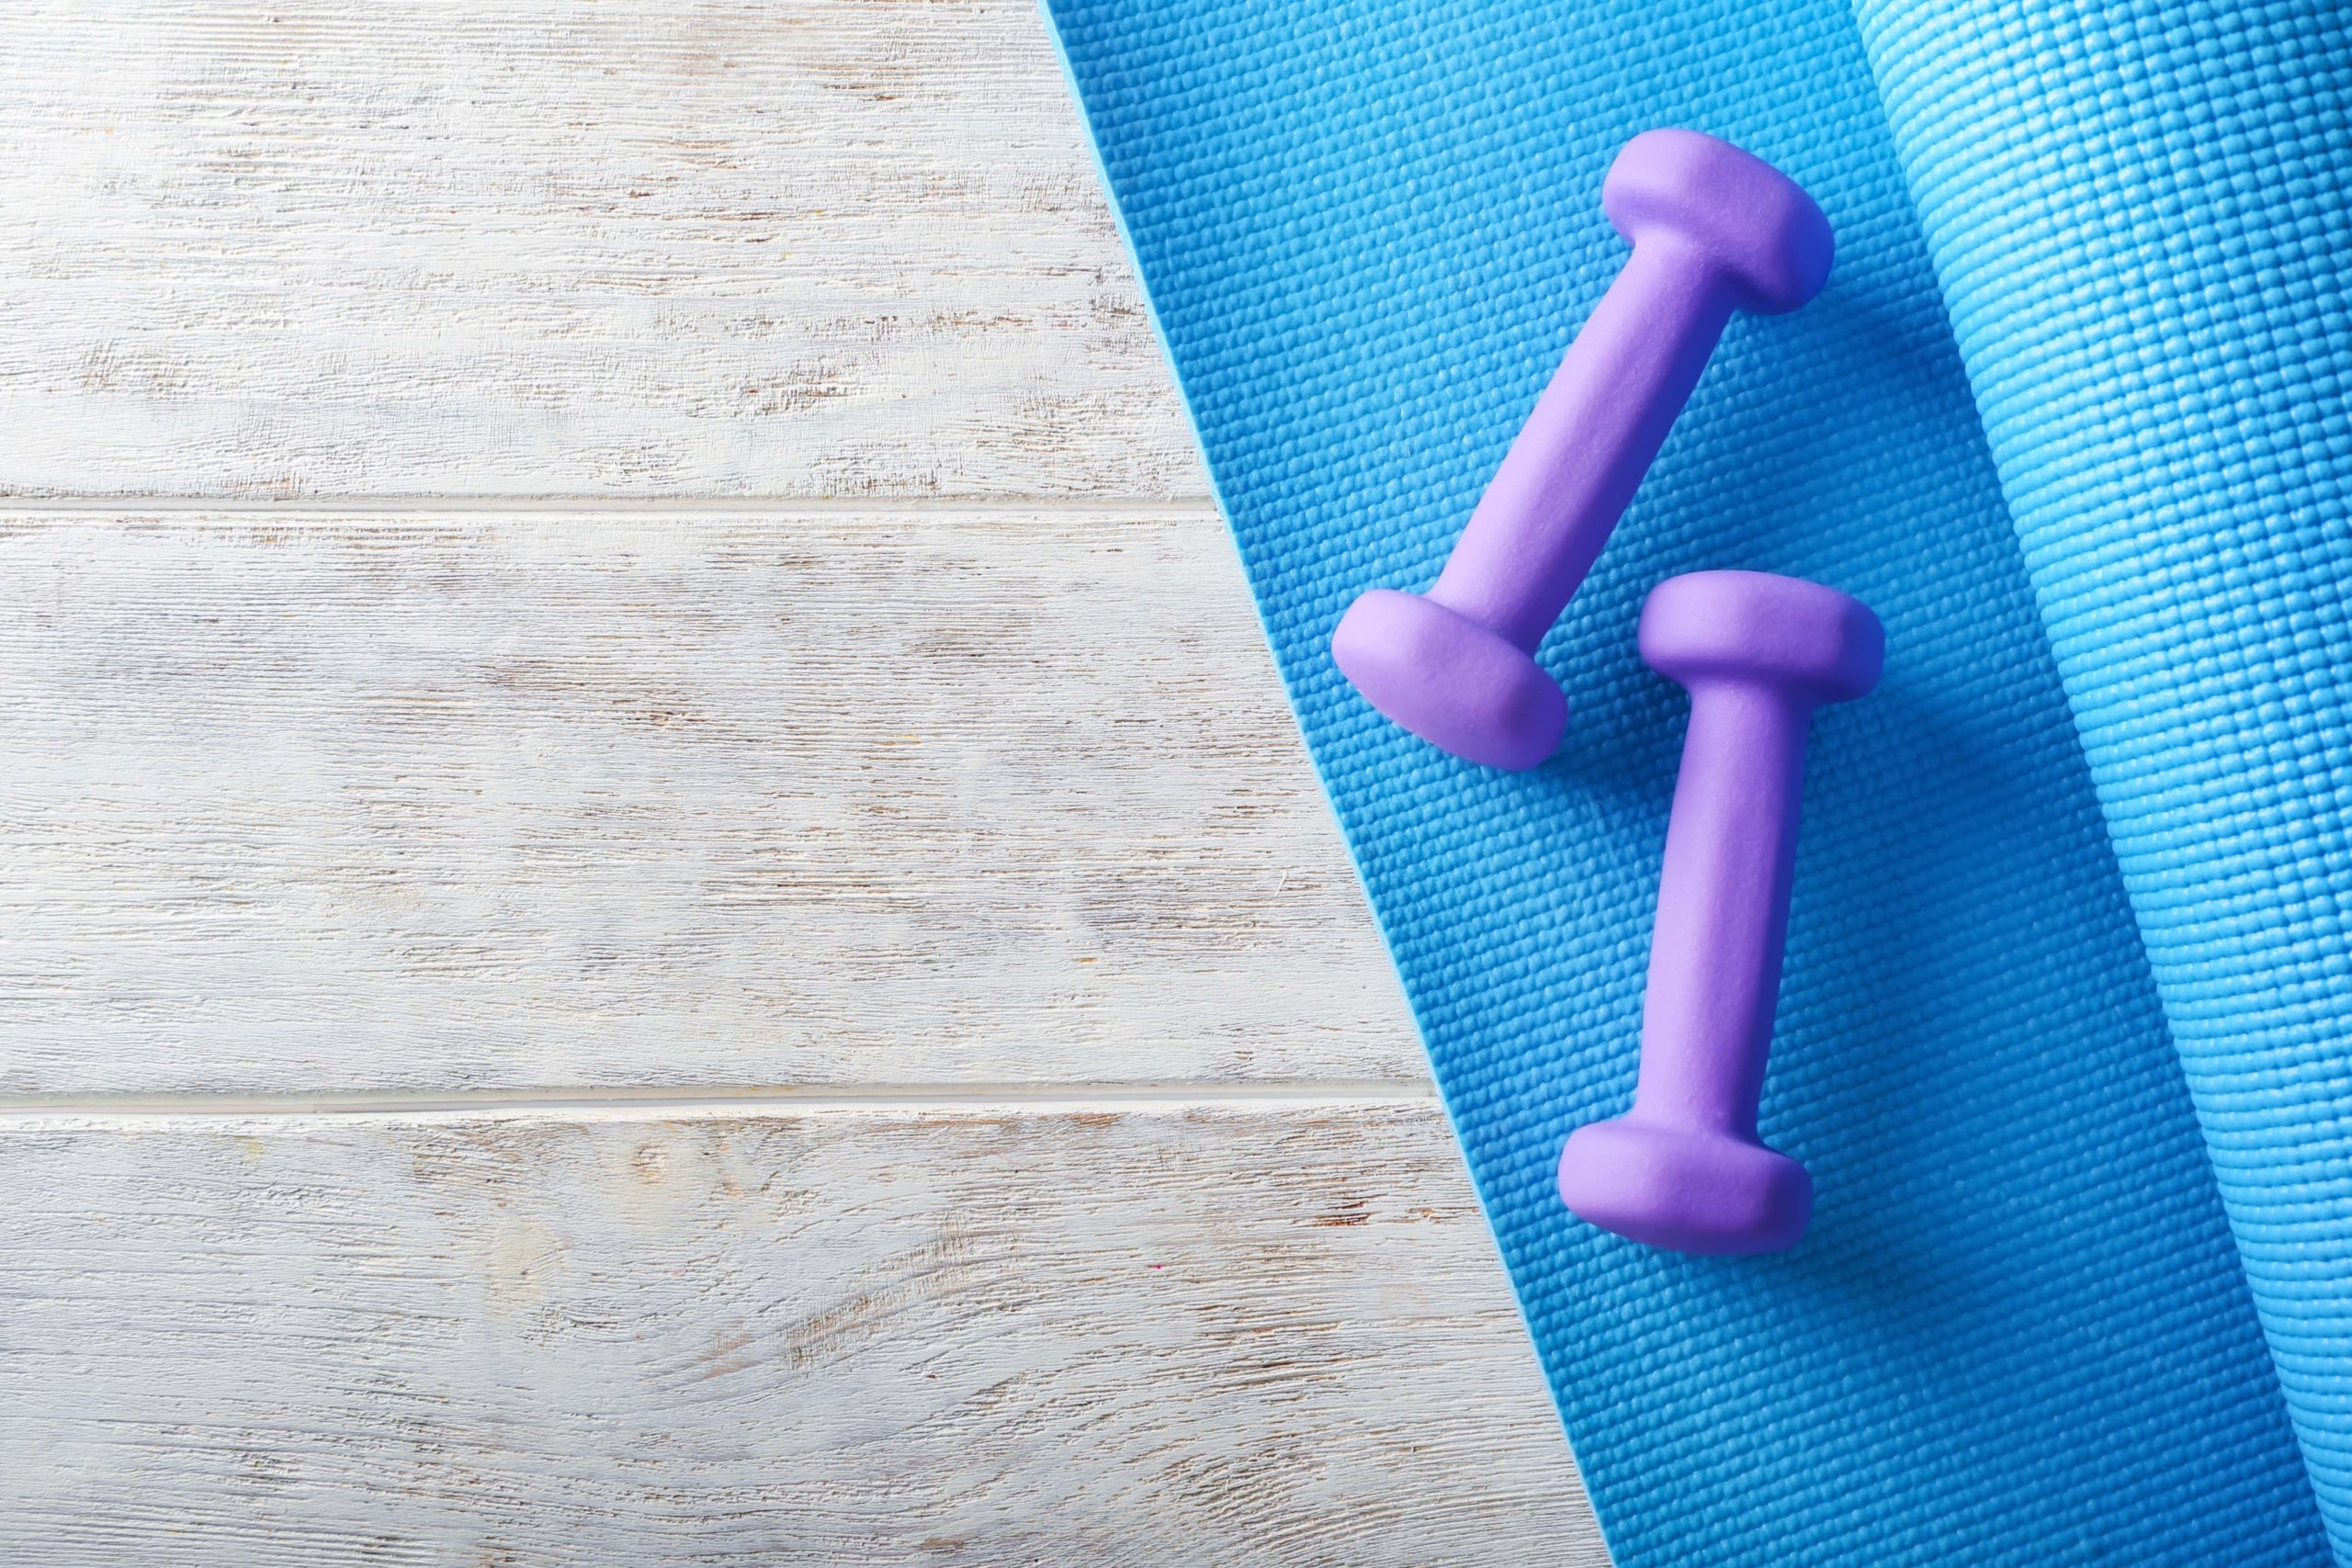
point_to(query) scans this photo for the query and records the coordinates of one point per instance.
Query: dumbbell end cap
(1689, 1189)
(1449, 679)
(1813, 642)
(1771, 241)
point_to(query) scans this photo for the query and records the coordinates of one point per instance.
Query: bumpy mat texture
(2070, 416)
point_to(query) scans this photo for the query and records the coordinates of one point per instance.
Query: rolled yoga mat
(2069, 417)
(2138, 216)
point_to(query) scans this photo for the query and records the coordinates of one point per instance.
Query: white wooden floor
(656, 902)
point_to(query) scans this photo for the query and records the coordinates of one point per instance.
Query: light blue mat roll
(2019, 1332)
(2139, 215)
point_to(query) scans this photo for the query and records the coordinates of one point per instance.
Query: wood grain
(315, 804)
(877, 747)
(1175, 1336)
(780, 247)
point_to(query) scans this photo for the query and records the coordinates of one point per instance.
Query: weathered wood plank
(793, 247)
(1107, 1337)
(297, 803)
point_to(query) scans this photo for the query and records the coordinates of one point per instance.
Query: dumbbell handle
(1722, 906)
(1599, 426)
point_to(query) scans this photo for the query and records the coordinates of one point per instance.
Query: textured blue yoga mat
(2140, 217)
(2019, 1332)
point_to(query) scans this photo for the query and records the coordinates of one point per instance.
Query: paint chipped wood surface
(306, 804)
(1093, 1337)
(805, 247)
(846, 1030)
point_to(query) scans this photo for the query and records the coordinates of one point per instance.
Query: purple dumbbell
(1684, 1168)
(1713, 230)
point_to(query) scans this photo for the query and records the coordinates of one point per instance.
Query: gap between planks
(1108, 508)
(702, 1102)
